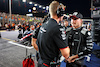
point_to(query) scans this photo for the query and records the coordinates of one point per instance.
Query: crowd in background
(15, 20)
(33, 21)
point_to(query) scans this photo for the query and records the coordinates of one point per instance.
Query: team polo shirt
(51, 38)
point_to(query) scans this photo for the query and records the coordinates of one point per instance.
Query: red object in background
(4, 1)
(26, 36)
(19, 3)
(11, 1)
(25, 4)
(28, 62)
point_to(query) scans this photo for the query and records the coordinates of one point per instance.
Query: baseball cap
(76, 15)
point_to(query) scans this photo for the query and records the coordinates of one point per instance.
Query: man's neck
(56, 18)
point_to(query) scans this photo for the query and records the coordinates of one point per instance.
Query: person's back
(48, 40)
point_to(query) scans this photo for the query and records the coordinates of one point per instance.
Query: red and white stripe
(26, 36)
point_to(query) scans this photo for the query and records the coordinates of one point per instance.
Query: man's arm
(34, 43)
(65, 52)
(34, 38)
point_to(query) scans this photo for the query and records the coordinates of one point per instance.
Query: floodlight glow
(30, 10)
(35, 4)
(34, 8)
(24, 0)
(43, 7)
(30, 2)
(40, 6)
(29, 14)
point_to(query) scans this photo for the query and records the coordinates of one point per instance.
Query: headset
(60, 10)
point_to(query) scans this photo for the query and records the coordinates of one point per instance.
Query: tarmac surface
(11, 54)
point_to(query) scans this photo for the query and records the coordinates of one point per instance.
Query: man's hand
(72, 58)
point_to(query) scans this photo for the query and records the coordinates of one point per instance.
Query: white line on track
(20, 45)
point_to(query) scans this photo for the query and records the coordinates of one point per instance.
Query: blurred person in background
(23, 26)
(66, 23)
(6, 25)
(27, 26)
(13, 26)
(9, 26)
(20, 30)
(89, 26)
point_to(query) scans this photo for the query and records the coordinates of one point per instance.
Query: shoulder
(68, 29)
(84, 31)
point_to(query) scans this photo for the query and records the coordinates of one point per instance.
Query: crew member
(51, 37)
